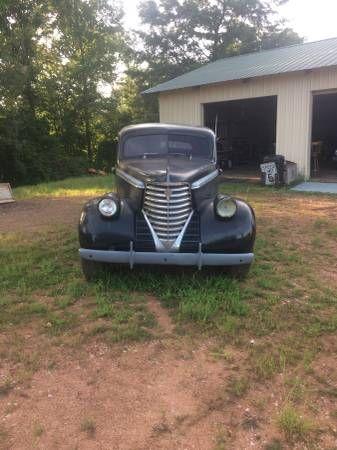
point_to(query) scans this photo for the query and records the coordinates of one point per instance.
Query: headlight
(225, 206)
(108, 207)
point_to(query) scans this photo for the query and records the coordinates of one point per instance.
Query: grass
(5, 387)
(88, 426)
(3, 435)
(279, 318)
(297, 389)
(238, 386)
(293, 425)
(275, 444)
(70, 187)
(38, 430)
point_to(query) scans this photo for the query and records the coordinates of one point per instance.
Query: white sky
(311, 19)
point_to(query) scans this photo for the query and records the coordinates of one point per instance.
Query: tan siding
(294, 92)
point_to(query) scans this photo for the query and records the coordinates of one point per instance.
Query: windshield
(157, 145)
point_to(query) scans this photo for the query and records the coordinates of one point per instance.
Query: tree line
(71, 75)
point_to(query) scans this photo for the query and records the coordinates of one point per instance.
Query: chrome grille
(167, 206)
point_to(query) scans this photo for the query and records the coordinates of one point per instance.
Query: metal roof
(311, 55)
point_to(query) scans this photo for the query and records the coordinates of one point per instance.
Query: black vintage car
(166, 209)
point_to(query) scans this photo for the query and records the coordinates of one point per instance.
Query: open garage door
(246, 132)
(324, 137)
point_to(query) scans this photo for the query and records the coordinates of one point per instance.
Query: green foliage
(182, 35)
(294, 426)
(54, 55)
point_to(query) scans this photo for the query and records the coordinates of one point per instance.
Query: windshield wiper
(146, 155)
(165, 155)
(185, 155)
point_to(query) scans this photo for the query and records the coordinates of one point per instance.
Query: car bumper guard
(198, 259)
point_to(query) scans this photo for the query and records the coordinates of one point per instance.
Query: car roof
(150, 128)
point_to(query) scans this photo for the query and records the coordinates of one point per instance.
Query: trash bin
(272, 170)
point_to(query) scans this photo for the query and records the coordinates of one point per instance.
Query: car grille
(167, 206)
(191, 239)
(144, 240)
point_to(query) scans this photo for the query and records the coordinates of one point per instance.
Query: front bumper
(199, 259)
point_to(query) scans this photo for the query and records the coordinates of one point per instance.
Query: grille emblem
(168, 193)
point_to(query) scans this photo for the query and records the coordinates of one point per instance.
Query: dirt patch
(161, 315)
(38, 214)
(148, 396)
(161, 395)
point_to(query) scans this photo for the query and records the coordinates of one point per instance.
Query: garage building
(281, 101)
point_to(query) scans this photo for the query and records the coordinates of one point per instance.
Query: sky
(311, 19)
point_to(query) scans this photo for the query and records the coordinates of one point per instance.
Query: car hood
(179, 169)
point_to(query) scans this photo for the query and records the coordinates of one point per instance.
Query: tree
(231, 27)
(23, 25)
(181, 35)
(54, 55)
(26, 143)
(169, 41)
(90, 42)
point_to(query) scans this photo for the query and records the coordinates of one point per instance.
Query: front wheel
(91, 269)
(240, 272)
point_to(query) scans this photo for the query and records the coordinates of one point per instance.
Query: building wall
(294, 106)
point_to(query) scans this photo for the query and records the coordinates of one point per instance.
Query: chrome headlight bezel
(225, 207)
(108, 207)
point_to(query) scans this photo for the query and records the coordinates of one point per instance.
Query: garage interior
(324, 137)
(246, 132)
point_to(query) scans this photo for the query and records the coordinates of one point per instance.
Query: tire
(239, 272)
(91, 269)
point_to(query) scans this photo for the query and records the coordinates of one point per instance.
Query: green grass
(70, 187)
(294, 426)
(238, 386)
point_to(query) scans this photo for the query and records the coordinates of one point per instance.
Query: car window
(164, 144)
(136, 146)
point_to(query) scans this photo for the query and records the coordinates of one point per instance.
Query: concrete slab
(312, 186)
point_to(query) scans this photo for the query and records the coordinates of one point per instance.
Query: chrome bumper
(199, 259)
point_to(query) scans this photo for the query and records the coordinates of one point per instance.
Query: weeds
(294, 426)
(275, 444)
(38, 430)
(238, 387)
(297, 389)
(88, 426)
(5, 387)
(3, 435)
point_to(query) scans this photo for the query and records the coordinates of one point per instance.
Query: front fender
(235, 235)
(101, 233)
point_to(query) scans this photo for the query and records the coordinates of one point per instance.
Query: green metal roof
(311, 55)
